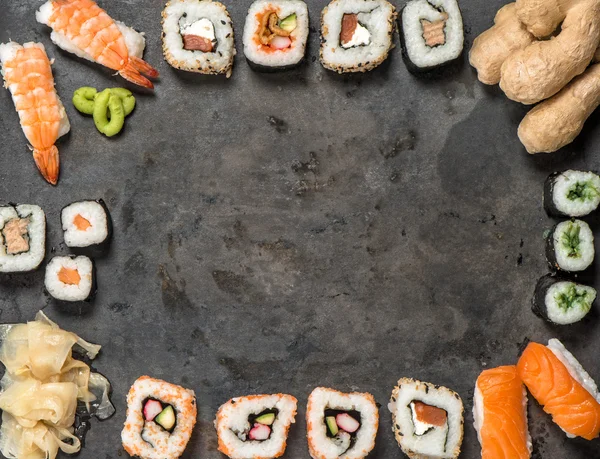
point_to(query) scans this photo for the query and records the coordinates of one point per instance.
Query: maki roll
(500, 414)
(570, 246)
(571, 193)
(561, 301)
(70, 278)
(198, 36)
(22, 238)
(275, 33)
(341, 425)
(356, 35)
(432, 33)
(255, 426)
(160, 419)
(86, 223)
(427, 419)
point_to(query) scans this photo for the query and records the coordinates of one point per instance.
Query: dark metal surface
(275, 232)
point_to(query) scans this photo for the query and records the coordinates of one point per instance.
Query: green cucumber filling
(583, 191)
(573, 298)
(570, 240)
(261, 425)
(342, 427)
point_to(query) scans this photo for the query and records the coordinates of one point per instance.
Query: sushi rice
(181, 15)
(377, 16)
(31, 241)
(233, 425)
(70, 278)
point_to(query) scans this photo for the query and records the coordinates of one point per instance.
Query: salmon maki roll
(160, 419)
(500, 414)
(28, 76)
(560, 384)
(256, 426)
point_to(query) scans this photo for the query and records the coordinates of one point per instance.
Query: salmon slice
(572, 407)
(69, 276)
(501, 405)
(81, 223)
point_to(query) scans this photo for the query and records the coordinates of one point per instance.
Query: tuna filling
(353, 33)
(16, 237)
(261, 425)
(342, 427)
(159, 413)
(433, 32)
(198, 35)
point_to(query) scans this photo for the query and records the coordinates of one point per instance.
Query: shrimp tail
(130, 73)
(48, 163)
(143, 67)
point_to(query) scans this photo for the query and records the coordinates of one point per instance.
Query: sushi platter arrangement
(252, 304)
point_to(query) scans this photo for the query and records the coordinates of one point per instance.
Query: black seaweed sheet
(275, 232)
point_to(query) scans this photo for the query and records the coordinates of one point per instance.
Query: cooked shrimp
(28, 76)
(83, 28)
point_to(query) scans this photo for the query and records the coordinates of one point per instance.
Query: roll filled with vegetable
(570, 246)
(356, 35)
(198, 36)
(275, 34)
(561, 301)
(571, 193)
(160, 419)
(22, 238)
(341, 425)
(427, 419)
(256, 426)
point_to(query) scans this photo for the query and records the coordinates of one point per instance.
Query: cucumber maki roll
(571, 193)
(432, 33)
(427, 419)
(356, 35)
(275, 34)
(22, 238)
(70, 278)
(560, 301)
(160, 419)
(341, 425)
(570, 246)
(256, 426)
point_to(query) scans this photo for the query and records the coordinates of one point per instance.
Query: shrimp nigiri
(83, 28)
(559, 383)
(28, 76)
(500, 414)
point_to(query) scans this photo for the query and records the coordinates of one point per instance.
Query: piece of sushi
(561, 301)
(564, 389)
(570, 246)
(22, 238)
(356, 35)
(160, 419)
(341, 425)
(500, 414)
(70, 278)
(255, 426)
(198, 36)
(571, 193)
(275, 34)
(427, 419)
(86, 223)
(432, 33)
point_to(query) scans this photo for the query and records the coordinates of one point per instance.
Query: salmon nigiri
(500, 414)
(559, 383)
(28, 76)
(83, 28)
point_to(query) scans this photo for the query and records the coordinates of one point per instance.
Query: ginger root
(492, 47)
(542, 17)
(556, 122)
(543, 68)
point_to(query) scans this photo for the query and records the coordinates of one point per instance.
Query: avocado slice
(332, 425)
(166, 418)
(288, 23)
(266, 419)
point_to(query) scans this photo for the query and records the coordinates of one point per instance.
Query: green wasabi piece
(83, 99)
(106, 103)
(126, 97)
